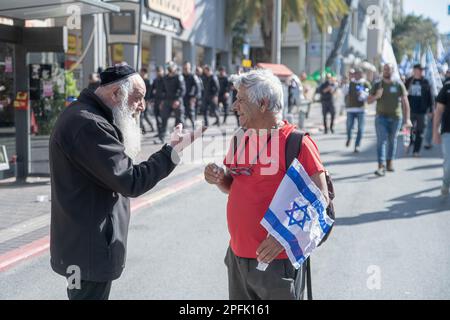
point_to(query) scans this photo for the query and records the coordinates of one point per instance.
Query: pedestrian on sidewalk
(358, 92)
(421, 101)
(441, 132)
(251, 185)
(92, 148)
(388, 121)
(326, 91)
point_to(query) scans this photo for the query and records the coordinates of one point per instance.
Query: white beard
(130, 129)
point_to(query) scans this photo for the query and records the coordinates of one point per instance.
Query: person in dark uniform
(193, 92)
(201, 77)
(145, 115)
(174, 91)
(92, 150)
(211, 95)
(326, 91)
(421, 101)
(224, 92)
(157, 97)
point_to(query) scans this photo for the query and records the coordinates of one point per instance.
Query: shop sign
(247, 63)
(21, 102)
(72, 45)
(117, 53)
(145, 57)
(163, 22)
(183, 10)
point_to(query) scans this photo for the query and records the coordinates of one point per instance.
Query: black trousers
(418, 121)
(157, 113)
(328, 108)
(90, 290)
(145, 117)
(226, 105)
(279, 282)
(189, 112)
(209, 106)
(167, 112)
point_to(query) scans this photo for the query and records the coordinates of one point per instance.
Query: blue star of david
(291, 213)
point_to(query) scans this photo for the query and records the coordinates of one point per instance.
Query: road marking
(41, 246)
(22, 228)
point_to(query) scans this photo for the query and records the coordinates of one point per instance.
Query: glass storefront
(7, 128)
(47, 99)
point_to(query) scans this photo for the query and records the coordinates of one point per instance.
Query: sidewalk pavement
(25, 207)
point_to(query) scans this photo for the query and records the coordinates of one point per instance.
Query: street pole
(276, 32)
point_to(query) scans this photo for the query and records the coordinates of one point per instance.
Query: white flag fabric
(440, 52)
(297, 215)
(388, 56)
(432, 73)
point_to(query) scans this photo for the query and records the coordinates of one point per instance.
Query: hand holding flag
(296, 218)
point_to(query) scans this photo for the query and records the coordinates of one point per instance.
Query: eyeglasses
(241, 171)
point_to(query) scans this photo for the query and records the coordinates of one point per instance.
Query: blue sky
(437, 10)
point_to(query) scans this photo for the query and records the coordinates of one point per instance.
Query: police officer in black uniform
(224, 92)
(174, 91)
(211, 95)
(193, 92)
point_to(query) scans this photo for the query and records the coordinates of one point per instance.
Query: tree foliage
(409, 31)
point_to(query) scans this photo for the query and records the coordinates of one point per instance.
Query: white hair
(261, 85)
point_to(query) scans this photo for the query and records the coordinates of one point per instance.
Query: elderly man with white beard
(92, 149)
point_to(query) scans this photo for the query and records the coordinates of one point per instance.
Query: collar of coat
(89, 97)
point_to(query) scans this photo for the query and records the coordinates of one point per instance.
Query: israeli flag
(432, 73)
(297, 215)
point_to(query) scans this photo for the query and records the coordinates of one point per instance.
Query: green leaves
(410, 30)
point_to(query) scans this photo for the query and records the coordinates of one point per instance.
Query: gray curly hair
(261, 84)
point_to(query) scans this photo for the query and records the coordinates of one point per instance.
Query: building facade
(362, 41)
(48, 49)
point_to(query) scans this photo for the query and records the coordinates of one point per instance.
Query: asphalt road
(391, 238)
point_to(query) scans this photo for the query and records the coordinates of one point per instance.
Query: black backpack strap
(293, 146)
(292, 151)
(308, 279)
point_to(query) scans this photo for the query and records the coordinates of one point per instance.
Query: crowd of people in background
(406, 105)
(187, 95)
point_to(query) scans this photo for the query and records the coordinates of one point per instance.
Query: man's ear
(116, 94)
(264, 106)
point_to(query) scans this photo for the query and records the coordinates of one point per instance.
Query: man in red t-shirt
(255, 166)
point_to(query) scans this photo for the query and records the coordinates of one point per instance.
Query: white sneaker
(445, 191)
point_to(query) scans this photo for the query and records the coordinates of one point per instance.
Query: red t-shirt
(250, 195)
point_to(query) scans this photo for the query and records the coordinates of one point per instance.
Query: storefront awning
(280, 70)
(43, 9)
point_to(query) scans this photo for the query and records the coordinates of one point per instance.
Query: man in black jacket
(421, 101)
(145, 116)
(92, 148)
(211, 95)
(224, 92)
(157, 97)
(193, 92)
(174, 91)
